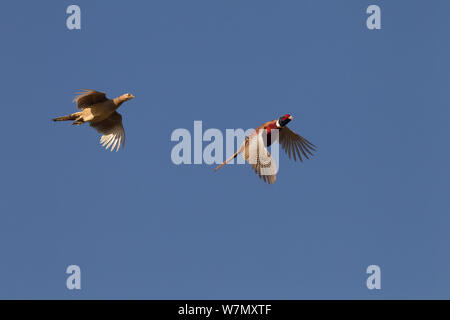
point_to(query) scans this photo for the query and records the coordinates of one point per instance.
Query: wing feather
(257, 155)
(112, 130)
(295, 145)
(86, 98)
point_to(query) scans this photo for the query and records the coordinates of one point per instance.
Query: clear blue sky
(376, 103)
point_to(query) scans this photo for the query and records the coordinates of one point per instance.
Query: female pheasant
(255, 147)
(101, 114)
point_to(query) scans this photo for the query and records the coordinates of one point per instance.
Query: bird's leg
(78, 121)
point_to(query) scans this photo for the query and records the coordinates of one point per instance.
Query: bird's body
(101, 114)
(98, 112)
(254, 148)
(266, 129)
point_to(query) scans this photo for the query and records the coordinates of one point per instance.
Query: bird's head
(127, 96)
(284, 120)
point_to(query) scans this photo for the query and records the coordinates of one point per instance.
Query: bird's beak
(291, 117)
(132, 97)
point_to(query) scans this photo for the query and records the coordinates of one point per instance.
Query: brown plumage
(255, 146)
(101, 114)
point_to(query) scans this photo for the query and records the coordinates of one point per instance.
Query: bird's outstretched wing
(260, 159)
(112, 130)
(295, 145)
(86, 98)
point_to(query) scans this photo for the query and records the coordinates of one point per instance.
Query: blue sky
(375, 103)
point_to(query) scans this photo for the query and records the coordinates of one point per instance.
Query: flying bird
(101, 114)
(255, 151)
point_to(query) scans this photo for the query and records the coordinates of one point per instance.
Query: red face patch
(286, 116)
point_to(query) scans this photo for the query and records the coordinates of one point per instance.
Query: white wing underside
(113, 139)
(259, 157)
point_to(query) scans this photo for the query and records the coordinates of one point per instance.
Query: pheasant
(255, 146)
(101, 114)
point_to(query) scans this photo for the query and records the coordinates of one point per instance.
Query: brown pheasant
(255, 146)
(101, 114)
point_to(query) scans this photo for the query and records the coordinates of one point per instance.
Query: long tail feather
(67, 118)
(228, 160)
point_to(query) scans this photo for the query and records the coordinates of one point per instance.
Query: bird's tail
(228, 160)
(72, 116)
